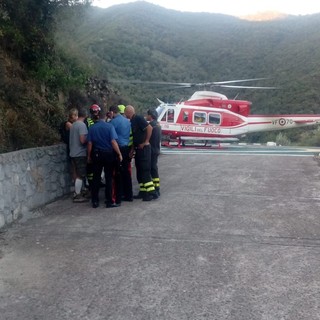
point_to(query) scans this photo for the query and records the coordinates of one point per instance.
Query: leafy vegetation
(34, 75)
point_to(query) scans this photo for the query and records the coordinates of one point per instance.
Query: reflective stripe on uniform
(130, 139)
(149, 186)
(156, 182)
(90, 122)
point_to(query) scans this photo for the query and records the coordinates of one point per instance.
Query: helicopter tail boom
(280, 122)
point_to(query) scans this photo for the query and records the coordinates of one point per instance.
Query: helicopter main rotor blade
(201, 84)
(235, 81)
(178, 85)
(153, 82)
(247, 87)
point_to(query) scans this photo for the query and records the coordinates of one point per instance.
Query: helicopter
(211, 116)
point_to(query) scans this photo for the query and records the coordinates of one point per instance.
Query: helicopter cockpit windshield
(166, 112)
(160, 109)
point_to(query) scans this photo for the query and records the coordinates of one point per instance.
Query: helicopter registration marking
(282, 122)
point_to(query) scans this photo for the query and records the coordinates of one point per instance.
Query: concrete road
(232, 237)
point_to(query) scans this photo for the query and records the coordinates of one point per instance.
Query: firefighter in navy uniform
(155, 141)
(127, 187)
(122, 176)
(141, 131)
(102, 152)
(90, 121)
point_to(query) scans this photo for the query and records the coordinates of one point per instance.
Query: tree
(27, 27)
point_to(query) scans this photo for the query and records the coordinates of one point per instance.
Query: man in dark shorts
(78, 154)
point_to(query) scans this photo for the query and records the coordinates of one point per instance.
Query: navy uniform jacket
(155, 139)
(138, 125)
(101, 134)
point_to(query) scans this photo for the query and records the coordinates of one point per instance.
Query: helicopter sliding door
(199, 117)
(168, 116)
(214, 118)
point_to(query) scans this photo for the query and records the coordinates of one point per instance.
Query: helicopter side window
(199, 117)
(214, 118)
(185, 116)
(170, 117)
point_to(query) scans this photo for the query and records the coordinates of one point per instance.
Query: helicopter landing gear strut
(181, 143)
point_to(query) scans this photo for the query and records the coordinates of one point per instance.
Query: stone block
(8, 218)
(1, 204)
(1, 172)
(15, 179)
(2, 220)
(16, 212)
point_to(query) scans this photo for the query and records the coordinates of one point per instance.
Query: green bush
(282, 139)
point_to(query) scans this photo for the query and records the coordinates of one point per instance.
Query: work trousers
(154, 170)
(90, 175)
(123, 179)
(143, 167)
(102, 160)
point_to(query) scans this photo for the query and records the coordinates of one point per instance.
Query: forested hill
(142, 41)
(49, 48)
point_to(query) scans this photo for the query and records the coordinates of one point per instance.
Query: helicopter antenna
(160, 101)
(235, 98)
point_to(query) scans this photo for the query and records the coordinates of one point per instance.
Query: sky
(230, 7)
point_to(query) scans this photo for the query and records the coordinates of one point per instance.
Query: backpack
(64, 133)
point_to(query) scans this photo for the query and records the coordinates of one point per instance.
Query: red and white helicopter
(211, 116)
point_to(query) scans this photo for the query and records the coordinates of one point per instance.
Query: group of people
(104, 144)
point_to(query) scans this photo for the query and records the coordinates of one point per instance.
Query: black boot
(148, 197)
(140, 195)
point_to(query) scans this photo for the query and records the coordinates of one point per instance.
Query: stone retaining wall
(31, 178)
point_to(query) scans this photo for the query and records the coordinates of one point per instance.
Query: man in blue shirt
(103, 150)
(122, 177)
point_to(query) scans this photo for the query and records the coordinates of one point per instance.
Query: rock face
(99, 91)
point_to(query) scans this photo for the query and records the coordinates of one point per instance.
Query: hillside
(199, 47)
(25, 112)
(142, 41)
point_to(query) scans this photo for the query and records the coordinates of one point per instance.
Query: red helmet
(95, 109)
